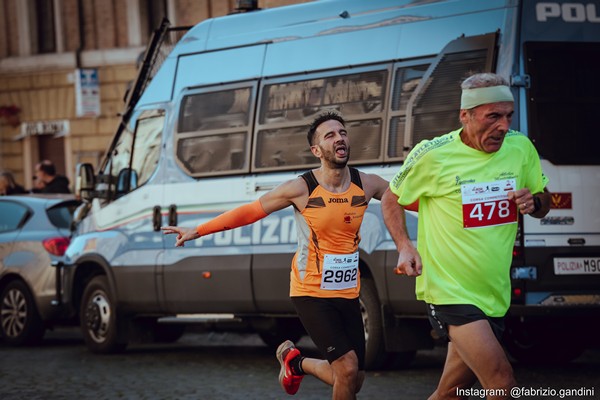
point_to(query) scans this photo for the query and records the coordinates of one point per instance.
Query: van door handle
(173, 215)
(266, 186)
(156, 218)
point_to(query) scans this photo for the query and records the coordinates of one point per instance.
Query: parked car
(34, 234)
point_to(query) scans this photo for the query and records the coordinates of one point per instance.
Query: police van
(219, 117)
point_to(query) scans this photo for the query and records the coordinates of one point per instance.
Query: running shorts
(335, 325)
(440, 316)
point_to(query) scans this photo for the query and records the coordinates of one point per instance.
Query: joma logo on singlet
(334, 200)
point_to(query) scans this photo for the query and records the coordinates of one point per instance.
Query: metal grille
(161, 44)
(436, 111)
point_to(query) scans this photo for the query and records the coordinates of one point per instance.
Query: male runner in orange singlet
(329, 204)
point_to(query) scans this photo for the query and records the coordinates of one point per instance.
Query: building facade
(65, 66)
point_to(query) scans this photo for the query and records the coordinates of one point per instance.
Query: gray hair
(485, 79)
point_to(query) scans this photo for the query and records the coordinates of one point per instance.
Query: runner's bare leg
(474, 353)
(342, 374)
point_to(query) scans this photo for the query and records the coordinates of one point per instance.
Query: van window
(288, 107)
(213, 153)
(213, 130)
(120, 155)
(148, 135)
(135, 154)
(405, 82)
(215, 110)
(434, 107)
(563, 100)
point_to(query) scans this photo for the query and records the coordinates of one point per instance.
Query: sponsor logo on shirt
(336, 200)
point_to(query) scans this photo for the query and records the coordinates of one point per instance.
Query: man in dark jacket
(46, 180)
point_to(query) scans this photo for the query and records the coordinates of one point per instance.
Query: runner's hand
(524, 200)
(409, 261)
(183, 234)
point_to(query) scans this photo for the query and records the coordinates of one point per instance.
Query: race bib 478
(487, 204)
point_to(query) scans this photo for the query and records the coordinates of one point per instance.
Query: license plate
(572, 300)
(577, 266)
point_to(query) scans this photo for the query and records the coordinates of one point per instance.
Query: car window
(13, 216)
(62, 214)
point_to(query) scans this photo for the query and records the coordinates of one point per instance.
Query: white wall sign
(57, 128)
(87, 92)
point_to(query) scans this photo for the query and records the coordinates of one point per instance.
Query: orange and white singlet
(326, 263)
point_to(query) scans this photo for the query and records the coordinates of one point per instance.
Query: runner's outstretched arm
(282, 196)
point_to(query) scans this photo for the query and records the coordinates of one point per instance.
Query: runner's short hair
(326, 116)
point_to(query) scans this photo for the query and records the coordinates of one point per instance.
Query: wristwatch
(537, 204)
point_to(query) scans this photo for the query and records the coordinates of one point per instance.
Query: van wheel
(370, 309)
(541, 350)
(529, 342)
(103, 331)
(20, 322)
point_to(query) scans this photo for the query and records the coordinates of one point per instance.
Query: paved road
(226, 366)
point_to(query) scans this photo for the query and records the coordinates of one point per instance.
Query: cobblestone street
(221, 366)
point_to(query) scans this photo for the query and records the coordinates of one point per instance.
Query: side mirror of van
(126, 181)
(84, 182)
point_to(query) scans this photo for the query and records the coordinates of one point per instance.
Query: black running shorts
(440, 316)
(334, 325)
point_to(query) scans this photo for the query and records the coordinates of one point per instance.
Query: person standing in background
(47, 181)
(8, 185)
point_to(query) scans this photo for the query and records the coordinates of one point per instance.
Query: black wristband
(537, 205)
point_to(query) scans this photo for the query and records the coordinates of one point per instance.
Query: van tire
(103, 331)
(370, 308)
(542, 350)
(20, 322)
(530, 343)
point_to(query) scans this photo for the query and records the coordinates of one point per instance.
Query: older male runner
(470, 185)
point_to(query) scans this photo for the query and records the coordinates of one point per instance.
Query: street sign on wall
(57, 128)
(87, 92)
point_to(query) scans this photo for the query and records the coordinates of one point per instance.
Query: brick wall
(46, 92)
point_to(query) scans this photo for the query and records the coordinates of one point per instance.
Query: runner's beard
(334, 162)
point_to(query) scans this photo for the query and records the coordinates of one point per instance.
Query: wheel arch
(8, 278)
(85, 270)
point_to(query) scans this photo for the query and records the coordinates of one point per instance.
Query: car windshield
(61, 215)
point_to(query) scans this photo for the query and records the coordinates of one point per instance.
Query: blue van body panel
(315, 37)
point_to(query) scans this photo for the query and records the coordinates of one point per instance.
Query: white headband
(493, 94)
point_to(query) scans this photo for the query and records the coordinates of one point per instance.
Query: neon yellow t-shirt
(467, 227)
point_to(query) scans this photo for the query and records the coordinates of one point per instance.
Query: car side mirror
(84, 182)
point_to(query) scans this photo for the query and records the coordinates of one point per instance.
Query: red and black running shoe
(288, 381)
